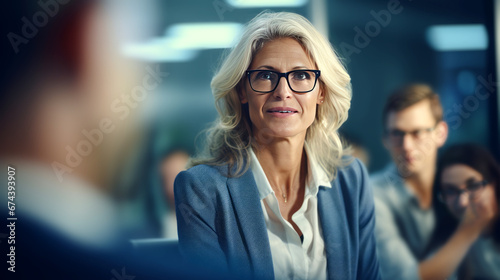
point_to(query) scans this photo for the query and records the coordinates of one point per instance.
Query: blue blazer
(220, 220)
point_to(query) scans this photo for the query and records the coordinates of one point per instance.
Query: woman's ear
(321, 96)
(243, 98)
(242, 94)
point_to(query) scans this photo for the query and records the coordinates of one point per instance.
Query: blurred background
(385, 44)
(140, 72)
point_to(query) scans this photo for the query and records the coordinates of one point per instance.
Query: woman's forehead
(282, 53)
(459, 174)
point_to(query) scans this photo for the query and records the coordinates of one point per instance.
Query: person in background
(467, 181)
(274, 195)
(172, 164)
(406, 210)
(414, 130)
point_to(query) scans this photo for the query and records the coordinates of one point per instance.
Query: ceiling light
(204, 35)
(266, 3)
(463, 37)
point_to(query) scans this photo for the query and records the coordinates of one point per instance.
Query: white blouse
(292, 257)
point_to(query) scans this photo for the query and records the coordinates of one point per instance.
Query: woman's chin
(276, 134)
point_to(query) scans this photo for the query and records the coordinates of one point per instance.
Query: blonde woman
(274, 195)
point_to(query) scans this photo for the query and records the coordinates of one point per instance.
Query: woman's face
(459, 177)
(282, 113)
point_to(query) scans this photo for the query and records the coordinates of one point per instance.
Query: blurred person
(274, 195)
(60, 72)
(414, 130)
(45, 106)
(467, 181)
(49, 97)
(406, 212)
(172, 164)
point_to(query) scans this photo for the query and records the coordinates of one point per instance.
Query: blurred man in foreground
(65, 104)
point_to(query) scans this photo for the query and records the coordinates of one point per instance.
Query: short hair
(230, 138)
(412, 94)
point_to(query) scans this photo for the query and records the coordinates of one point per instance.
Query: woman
(468, 185)
(271, 196)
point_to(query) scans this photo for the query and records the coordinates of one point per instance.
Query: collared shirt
(293, 258)
(403, 229)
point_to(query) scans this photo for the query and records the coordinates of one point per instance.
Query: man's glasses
(450, 194)
(396, 136)
(299, 81)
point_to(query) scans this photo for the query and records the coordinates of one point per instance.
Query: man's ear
(441, 133)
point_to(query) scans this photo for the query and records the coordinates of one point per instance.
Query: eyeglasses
(299, 81)
(396, 136)
(451, 194)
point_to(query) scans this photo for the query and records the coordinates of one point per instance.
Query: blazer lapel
(334, 227)
(248, 212)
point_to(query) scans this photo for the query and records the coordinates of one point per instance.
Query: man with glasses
(414, 130)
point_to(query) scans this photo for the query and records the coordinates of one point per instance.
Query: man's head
(414, 128)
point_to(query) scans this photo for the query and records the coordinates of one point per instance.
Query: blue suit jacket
(220, 220)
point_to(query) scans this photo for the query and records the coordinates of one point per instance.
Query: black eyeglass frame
(467, 190)
(285, 74)
(388, 134)
(401, 134)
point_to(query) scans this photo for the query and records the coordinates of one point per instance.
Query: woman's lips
(282, 111)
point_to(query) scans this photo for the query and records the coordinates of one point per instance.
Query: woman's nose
(463, 199)
(282, 91)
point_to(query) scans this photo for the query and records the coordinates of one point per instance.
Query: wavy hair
(230, 137)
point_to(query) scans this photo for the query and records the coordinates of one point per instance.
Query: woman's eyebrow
(266, 67)
(272, 68)
(449, 186)
(471, 180)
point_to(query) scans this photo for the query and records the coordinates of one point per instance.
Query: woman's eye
(451, 192)
(265, 75)
(301, 76)
(474, 186)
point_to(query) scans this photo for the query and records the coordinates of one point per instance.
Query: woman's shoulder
(206, 170)
(204, 173)
(352, 169)
(199, 184)
(352, 178)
